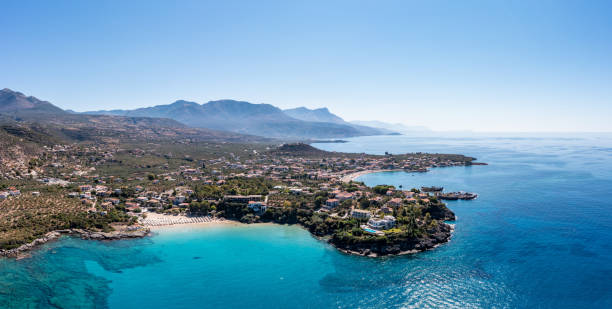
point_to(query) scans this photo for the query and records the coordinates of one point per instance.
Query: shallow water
(537, 236)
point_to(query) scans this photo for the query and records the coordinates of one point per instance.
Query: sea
(539, 235)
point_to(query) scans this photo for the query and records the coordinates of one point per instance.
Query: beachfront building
(257, 206)
(387, 222)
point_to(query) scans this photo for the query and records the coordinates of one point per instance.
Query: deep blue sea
(538, 236)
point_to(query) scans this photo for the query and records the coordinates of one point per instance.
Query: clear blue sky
(449, 65)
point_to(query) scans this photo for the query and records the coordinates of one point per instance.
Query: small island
(111, 191)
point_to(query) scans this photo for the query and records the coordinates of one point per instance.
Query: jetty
(458, 196)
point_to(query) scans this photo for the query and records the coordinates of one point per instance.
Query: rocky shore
(22, 250)
(440, 236)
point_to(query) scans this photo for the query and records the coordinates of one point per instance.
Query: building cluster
(318, 180)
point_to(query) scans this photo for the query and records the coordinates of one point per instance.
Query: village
(284, 185)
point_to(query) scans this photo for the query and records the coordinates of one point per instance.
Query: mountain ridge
(251, 118)
(17, 102)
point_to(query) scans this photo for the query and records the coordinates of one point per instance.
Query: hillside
(324, 115)
(27, 124)
(16, 102)
(249, 118)
(299, 149)
(318, 115)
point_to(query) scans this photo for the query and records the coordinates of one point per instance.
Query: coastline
(352, 176)
(164, 222)
(155, 220)
(23, 250)
(433, 246)
(189, 222)
(160, 221)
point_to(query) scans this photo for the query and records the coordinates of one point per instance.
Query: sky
(511, 66)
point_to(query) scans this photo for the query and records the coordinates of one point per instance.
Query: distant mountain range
(25, 118)
(255, 119)
(239, 117)
(396, 127)
(317, 115)
(324, 115)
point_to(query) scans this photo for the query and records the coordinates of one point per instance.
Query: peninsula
(107, 191)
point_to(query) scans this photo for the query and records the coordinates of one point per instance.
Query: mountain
(317, 115)
(16, 102)
(30, 119)
(324, 115)
(249, 118)
(397, 127)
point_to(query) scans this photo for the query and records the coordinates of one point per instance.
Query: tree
(364, 202)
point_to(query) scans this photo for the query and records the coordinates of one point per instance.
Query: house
(14, 192)
(4, 195)
(387, 222)
(85, 188)
(376, 200)
(332, 202)
(153, 203)
(386, 210)
(343, 196)
(242, 198)
(395, 202)
(179, 199)
(257, 206)
(360, 214)
(85, 195)
(296, 191)
(131, 205)
(113, 200)
(35, 193)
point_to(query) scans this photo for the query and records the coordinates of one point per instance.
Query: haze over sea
(537, 236)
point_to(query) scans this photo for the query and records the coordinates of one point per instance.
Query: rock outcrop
(84, 234)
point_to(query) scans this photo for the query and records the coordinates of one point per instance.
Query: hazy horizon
(471, 66)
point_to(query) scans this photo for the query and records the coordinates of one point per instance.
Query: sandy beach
(355, 175)
(154, 220)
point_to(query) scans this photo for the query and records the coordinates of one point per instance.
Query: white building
(385, 223)
(257, 206)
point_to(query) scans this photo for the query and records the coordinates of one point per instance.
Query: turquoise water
(537, 236)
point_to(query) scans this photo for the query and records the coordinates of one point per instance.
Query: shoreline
(400, 253)
(352, 176)
(24, 250)
(160, 221)
(155, 220)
